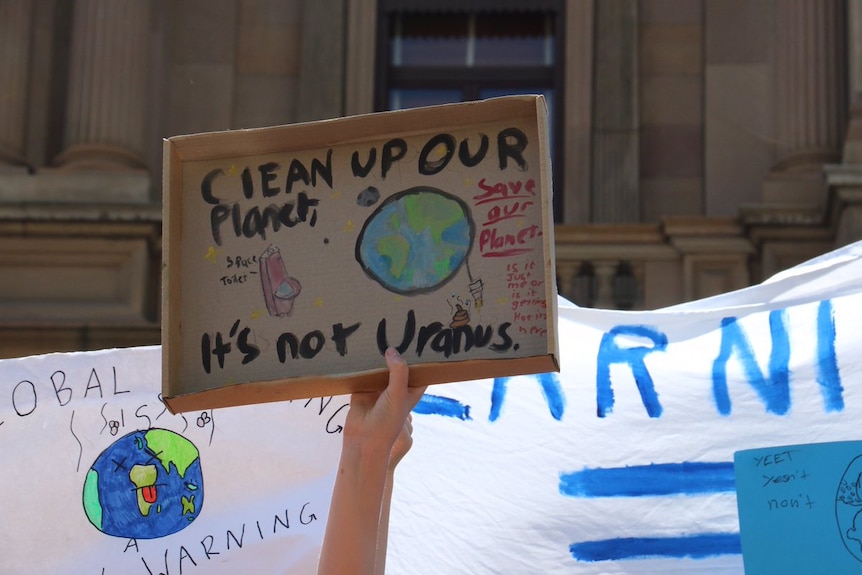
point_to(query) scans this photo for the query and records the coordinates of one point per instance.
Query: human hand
(378, 419)
(377, 431)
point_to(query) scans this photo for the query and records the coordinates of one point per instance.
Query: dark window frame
(471, 80)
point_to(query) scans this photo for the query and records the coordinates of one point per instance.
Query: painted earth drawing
(416, 240)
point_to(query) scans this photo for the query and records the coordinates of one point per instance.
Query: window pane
(401, 99)
(429, 40)
(514, 39)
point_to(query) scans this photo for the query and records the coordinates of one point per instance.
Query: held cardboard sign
(294, 255)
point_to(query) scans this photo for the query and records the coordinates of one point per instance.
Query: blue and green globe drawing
(416, 240)
(848, 507)
(147, 484)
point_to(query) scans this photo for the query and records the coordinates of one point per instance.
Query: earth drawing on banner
(147, 484)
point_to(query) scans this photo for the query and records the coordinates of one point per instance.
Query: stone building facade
(700, 145)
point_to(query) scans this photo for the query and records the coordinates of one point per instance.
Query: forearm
(383, 525)
(378, 424)
(350, 540)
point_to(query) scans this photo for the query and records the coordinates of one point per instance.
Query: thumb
(399, 390)
(398, 375)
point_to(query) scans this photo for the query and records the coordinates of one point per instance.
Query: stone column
(361, 27)
(845, 179)
(321, 75)
(616, 164)
(16, 24)
(853, 143)
(810, 88)
(605, 271)
(106, 107)
(566, 278)
(578, 116)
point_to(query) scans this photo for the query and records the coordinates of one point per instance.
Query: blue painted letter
(827, 364)
(774, 390)
(551, 389)
(610, 353)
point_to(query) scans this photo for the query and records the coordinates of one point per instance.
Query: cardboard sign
(800, 508)
(295, 255)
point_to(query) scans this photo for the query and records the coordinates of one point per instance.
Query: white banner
(621, 463)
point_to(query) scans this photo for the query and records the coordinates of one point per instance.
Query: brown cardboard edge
(348, 129)
(308, 387)
(172, 176)
(546, 173)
